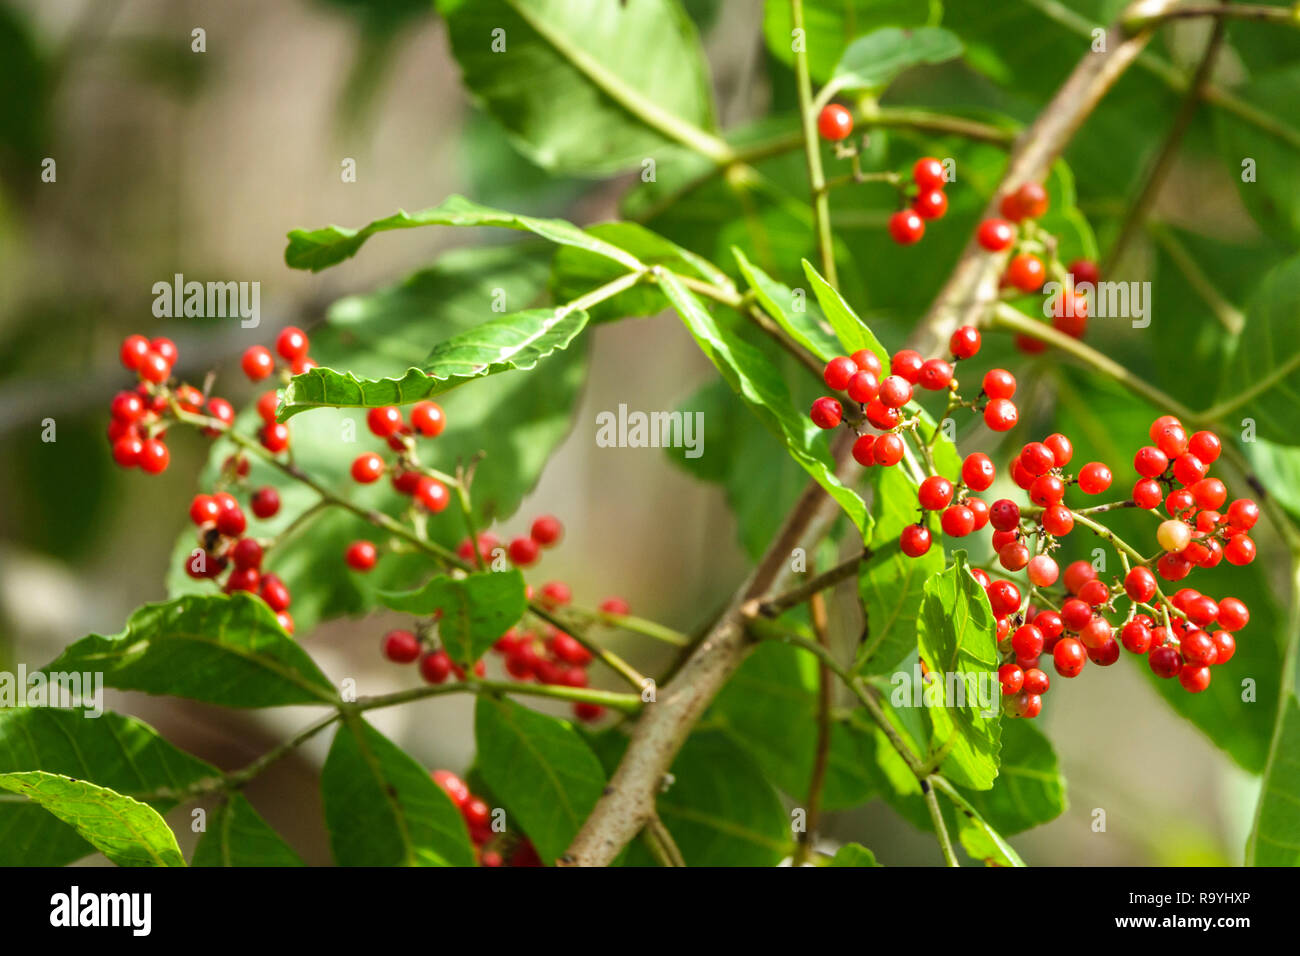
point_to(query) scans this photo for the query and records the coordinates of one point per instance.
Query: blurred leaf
(750, 374)
(1030, 789)
(117, 752)
(383, 809)
(806, 325)
(1269, 195)
(832, 24)
(577, 271)
(541, 768)
(957, 643)
(238, 836)
(472, 612)
(1275, 837)
(497, 174)
(890, 584)
(1278, 468)
(25, 86)
(318, 249)
(871, 62)
(720, 810)
(853, 854)
(769, 707)
(622, 70)
(1267, 361)
(226, 650)
(514, 342)
(983, 842)
(128, 832)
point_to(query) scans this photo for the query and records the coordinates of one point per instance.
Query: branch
(1286, 15)
(773, 607)
(813, 150)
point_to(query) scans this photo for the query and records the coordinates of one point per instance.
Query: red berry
(1150, 461)
(243, 579)
(1027, 642)
(862, 450)
(1004, 597)
(204, 509)
(384, 421)
(1062, 450)
(453, 786)
(1013, 556)
(1205, 446)
(935, 493)
(247, 553)
(1043, 571)
(265, 502)
(1188, 469)
(257, 363)
(906, 364)
(1094, 478)
(936, 374)
(433, 494)
(978, 471)
(965, 342)
(428, 419)
(834, 123)
(1194, 678)
(615, 605)
(838, 371)
(1027, 202)
(1084, 271)
(826, 412)
(867, 361)
(957, 521)
(906, 227)
(1147, 493)
(914, 540)
(863, 386)
(1011, 677)
(930, 204)
(134, 349)
(995, 235)
(523, 551)
(275, 438)
(367, 467)
(1057, 520)
(588, 712)
(928, 173)
(1233, 614)
(401, 647)
(1004, 514)
(1225, 645)
(153, 456)
(274, 592)
(361, 555)
(1046, 490)
(1001, 415)
(1242, 514)
(1069, 656)
(1136, 636)
(291, 343)
(1239, 550)
(895, 392)
(154, 368)
(1140, 585)
(127, 450)
(435, 667)
(888, 450)
(882, 416)
(1036, 682)
(1164, 661)
(547, 530)
(999, 383)
(1026, 272)
(1075, 613)
(1210, 493)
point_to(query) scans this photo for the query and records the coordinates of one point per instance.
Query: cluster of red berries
(533, 651)
(223, 545)
(1171, 631)
(491, 848)
(138, 427)
(1026, 271)
(882, 401)
(258, 363)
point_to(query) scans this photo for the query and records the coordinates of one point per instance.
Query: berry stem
(936, 817)
(775, 606)
(812, 150)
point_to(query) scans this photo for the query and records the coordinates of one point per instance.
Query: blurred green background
(170, 161)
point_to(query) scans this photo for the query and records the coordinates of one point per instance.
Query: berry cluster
(491, 848)
(535, 650)
(882, 401)
(223, 545)
(1174, 632)
(1026, 272)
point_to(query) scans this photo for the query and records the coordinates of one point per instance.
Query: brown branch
(629, 800)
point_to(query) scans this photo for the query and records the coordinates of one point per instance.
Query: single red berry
(826, 412)
(1012, 678)
(935, 493)
(978, 471)
(895, 392)
(995, 235)
(930, 204)
(204, 510)
(881, 415)
(274, 592)
(523, 551)
(1194, 678)
(154, 368)
(1147, 493)
(1239, 550)
(1037, 459)
(292, 343)
(863, 386)
(433, 494)
(384, 421)
(435, 667)
(1233, 614)
(127, 407)
(1013, 556)
(999, 383)
(867, 361)
(587, 713)
(914, 540)
(1027, 202)
(1075, 614)
(906, 227)
(275, 438)
(304, 364)
(1164, 661)
(862, 450)
(401, 647)
(1210, 493)
(153, 457)
(367, 467)
(1094, 478)
(1205, 446)
(838, 371)
(1004, 514)
(547, 530)
(265, 502)
(223, 412)
(906, 364)
(1094, 593)
(1225, 645)
(361, 555)
(1036, 682)
(965, 342)
(127, 450)
(257, 363)
(1043, 571)
(1004, 597)
(1046, 490)
(1057, 520)
(453, 786)
(166, 348)
(1026, 272)
(957, 521)
(1136, 636)
(1140, 585)
(1242, 514)
(1027, 642)
(1001, 415)
(247, 553)
(134, 349)
(936, 374)
(243, 579)
(1150, 461)
(888, 450)
(615, 605)
(928, 173)
(1062, 450)
(834, 123)
(1084, 271)
(1069, 657)
(1188, 469)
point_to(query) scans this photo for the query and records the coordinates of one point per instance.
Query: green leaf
(1267, 360)
(473, 611)
(226, 649)
(238, 836)
(128, 832)
(807, 326)
(720, 810)
(957, 642)
(114, 751)
(1278, 468)
(318, 249)
(1275, 837)
(853, 854)
(851, 331)
(624, 72)
(758, 382)
(542, 770)
(982, 841)
(514, 342)
(769, 707)
(831, 24)
(1030, 789)
(576, 271)
(890, 584)
(383, 809)
(872, 62)
(1267, 195)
